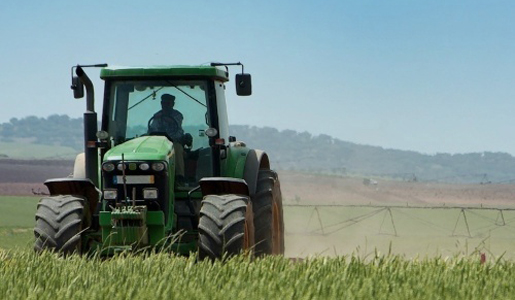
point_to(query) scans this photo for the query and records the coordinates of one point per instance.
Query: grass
(164, 276)
(364, 274)
(17, 221)
(27, 150)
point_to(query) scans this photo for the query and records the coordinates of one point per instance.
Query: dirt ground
(23, 177)
(26, 178)
(20, 177)
(298, 188)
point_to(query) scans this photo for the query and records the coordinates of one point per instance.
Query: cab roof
(164, 71)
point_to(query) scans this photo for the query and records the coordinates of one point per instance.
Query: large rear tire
(59, 222)
(225, 226)
(268, 215)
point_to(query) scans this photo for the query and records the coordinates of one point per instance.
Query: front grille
(136, 181)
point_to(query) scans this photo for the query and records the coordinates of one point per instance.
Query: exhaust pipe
(90, 128)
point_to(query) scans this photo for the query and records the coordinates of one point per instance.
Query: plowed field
(21, 177)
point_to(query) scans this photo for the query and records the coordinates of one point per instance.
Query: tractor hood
(142, 148)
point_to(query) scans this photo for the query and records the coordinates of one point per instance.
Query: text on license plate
(134, 179)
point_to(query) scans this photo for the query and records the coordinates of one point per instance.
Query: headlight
(110, 194)
(211, 132)
(121, 166)
(144, 167)
(108, 167)
(159, 166)
(150, 193)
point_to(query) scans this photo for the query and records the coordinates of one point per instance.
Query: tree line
(58, 130)
(302, 151)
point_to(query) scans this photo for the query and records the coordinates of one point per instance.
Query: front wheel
(59, 222)
(226, 226)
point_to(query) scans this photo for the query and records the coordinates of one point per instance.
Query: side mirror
(243, 85)
(77, 87)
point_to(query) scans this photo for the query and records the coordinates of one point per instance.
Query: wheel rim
(276, 230)
(248, 239)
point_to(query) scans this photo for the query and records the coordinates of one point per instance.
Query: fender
(234, 165)
(256, 160)
(245, 163)
(223, 185)
(79, 167)
(75, 186)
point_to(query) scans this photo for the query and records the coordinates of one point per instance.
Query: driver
(169, 120)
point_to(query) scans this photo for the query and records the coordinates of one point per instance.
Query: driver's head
(167, 101)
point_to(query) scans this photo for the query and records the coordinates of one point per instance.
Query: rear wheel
(225, 226)
(59, 222)
(268, 215)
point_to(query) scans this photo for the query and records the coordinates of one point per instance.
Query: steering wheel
(153, 132)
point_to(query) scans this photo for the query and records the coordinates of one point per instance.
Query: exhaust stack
(90, 121)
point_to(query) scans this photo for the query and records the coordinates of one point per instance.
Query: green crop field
(377, 253)
(27, 150)
(164, 276)
(17, 221)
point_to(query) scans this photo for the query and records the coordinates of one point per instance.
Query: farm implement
(163, 172)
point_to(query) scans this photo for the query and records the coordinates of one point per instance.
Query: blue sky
(427, 76)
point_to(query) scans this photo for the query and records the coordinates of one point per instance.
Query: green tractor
(163, 173)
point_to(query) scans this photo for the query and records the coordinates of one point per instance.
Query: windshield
(138, 107)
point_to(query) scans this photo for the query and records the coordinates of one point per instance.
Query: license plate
(134, 179)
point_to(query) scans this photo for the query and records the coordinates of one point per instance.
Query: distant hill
(289, 150)
(56, 130)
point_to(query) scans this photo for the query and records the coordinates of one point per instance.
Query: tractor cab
(175, 109)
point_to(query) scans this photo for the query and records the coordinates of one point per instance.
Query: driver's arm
(154, 124)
